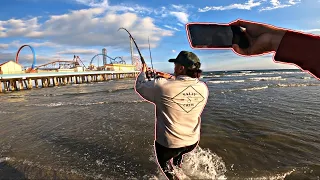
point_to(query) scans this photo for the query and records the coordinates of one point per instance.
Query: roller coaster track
(33, 53)
(112, 60)
(68, 64)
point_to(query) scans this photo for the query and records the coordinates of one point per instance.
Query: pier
(18, 82)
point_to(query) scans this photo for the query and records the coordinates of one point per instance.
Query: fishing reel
(150, 74)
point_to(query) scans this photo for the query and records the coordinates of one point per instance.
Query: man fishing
(179, 103)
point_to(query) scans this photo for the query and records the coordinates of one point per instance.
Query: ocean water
(256, 125)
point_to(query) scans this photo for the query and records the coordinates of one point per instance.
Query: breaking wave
(57, 104)
(266, 78)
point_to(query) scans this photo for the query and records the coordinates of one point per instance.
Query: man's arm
(300, 49)
(145, 88)
(165, 75)
(290, 47)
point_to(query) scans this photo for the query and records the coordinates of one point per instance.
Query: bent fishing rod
(141, 57)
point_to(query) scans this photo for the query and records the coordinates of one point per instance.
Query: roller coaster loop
(33, 52)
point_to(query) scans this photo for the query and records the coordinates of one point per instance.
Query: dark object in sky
(216, 36)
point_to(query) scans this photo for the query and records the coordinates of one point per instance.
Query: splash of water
(203, 164)
(199, 164)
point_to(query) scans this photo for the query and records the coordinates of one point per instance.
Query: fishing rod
(141, 57)
(150, 53)
(153, 74)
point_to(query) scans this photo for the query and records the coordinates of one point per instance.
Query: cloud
(104, 4)
(276, 4)
(4, 46)
(246, 6)
(79, 51)
(181, 16)
(179, 24)
(178, 7)
(311, 31)
(18, 27)
(170, 27)
(87, 27)
(94, 3)
(181, 12)
(173, 51)
(26, 60)
(18, 44)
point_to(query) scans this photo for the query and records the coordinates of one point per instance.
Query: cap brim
(172, 60)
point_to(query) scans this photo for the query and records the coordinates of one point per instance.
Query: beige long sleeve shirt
(179, 104)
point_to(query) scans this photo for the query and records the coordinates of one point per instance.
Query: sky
(59, 29)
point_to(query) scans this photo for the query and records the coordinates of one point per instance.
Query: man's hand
(144, 68)
(262, 38)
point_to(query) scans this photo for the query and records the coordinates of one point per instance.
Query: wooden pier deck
(18, 82)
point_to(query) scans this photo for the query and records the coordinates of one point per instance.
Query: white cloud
(18, 27)
(179, 24)
(181, 16)
(104, 4)
(18, 44)
(178, 7)
(170, 27)
(173, 51)
(311, 31)
(180, 12)
(94, 3)
(27, 59)
(246, 6)
(80, 51)
(89, 27)
(276, 4)
(4, 46)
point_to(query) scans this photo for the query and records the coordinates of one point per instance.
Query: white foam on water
(4, 112)
(296, 85)
(234, 74)
(200, 164)
(255, 88)
(231, 81)
(210, 76)
(203, 164)
(266, 78)
(4, 159)
(57, 104)
(280, 176)
(48, 105)
(254, 74)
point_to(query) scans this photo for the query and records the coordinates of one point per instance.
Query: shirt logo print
(188, 99)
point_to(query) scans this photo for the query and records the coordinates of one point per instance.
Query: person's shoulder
(203, 83)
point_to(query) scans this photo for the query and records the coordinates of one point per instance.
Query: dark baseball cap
(186, 58)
